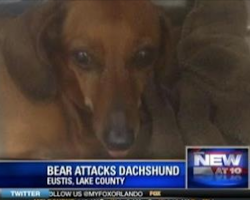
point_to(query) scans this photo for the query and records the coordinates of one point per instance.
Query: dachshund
(80, 79)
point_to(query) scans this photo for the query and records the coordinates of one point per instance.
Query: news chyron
(217, 167)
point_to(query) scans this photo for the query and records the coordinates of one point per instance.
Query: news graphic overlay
(213, 167)
(92, 174)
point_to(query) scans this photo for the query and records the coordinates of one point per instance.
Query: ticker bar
(124, 194)
(90, 194)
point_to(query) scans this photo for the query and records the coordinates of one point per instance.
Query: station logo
(217, 167)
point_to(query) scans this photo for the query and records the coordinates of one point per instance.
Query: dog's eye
(144, 58)
(82, 59)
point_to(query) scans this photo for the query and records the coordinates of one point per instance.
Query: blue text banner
(92, 174)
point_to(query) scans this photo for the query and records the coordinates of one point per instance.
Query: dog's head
(105, 52)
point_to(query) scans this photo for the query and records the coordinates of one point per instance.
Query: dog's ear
(25, 58)
(166, 68)
(57, 54)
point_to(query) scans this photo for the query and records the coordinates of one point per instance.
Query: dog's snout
(119, 140)
(119, 136)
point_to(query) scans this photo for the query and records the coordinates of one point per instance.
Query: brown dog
(76, 78)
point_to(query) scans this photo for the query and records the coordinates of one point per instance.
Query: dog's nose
(118, 136)
(119, 140)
